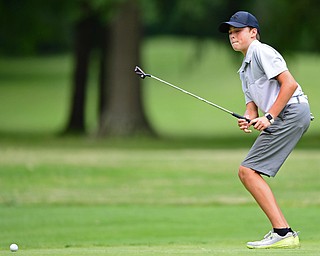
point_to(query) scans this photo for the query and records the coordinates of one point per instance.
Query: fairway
(144, 230)
(86, 199)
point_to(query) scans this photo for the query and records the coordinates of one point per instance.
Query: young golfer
(269, 87)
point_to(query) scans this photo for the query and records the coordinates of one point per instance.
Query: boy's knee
(244, 173)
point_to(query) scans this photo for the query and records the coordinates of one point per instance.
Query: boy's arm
(288, 85)
(251, 110)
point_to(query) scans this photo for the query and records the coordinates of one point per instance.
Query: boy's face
(241, 38)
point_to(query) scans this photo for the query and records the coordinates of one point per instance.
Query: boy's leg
(262, 193)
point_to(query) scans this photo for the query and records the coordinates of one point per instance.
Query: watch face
(269, 117)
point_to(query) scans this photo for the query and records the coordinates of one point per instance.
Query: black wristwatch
(269, 117)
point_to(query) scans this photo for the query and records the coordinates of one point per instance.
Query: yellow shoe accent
(274, 241)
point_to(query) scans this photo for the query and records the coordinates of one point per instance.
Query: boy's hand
(260, 123)
(244, 125)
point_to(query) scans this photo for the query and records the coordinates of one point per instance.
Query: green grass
(34, 93)
(74, 199)
(175, 195)
(146, 230)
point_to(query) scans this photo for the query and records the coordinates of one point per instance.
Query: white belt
(298, 99)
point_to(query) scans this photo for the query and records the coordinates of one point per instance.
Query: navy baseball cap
(240, 19)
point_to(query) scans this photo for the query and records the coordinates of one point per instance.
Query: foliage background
(37, 27)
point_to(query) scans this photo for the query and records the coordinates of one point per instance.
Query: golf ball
(13, 247)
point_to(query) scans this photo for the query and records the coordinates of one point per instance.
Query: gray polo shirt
(259, 68)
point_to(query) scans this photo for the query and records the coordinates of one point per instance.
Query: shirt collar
(248, 57)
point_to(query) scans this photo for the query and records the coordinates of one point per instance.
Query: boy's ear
(254, 32)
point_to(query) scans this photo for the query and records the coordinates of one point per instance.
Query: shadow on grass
(309, 141)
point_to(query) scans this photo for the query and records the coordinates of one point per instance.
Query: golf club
(143, 75)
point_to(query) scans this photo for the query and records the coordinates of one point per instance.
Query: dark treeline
(37, 27)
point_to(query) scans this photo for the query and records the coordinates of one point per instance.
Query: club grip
(248, 120)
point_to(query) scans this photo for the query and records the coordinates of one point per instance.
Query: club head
(140, 72)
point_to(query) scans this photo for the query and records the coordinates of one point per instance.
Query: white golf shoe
(273, 240)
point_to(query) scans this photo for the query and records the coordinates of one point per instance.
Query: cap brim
(224, 27)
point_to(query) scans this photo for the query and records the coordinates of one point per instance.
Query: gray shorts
(269, 151)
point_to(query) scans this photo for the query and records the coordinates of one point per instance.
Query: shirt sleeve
(247, 97)
(270, 61)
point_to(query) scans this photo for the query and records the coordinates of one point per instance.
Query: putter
(143, 75)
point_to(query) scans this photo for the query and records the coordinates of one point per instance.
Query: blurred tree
(35, 26)
(88, 34)
(290, 25)
(123, 113)
(187, 17)
(108, 26)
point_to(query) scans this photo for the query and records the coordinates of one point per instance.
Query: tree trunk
(123, 112)
(82, 49)
(103, 82)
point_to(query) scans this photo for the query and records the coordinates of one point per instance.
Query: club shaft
(193, 95)
(142, 74)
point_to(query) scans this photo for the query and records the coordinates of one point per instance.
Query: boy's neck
(244, 52)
